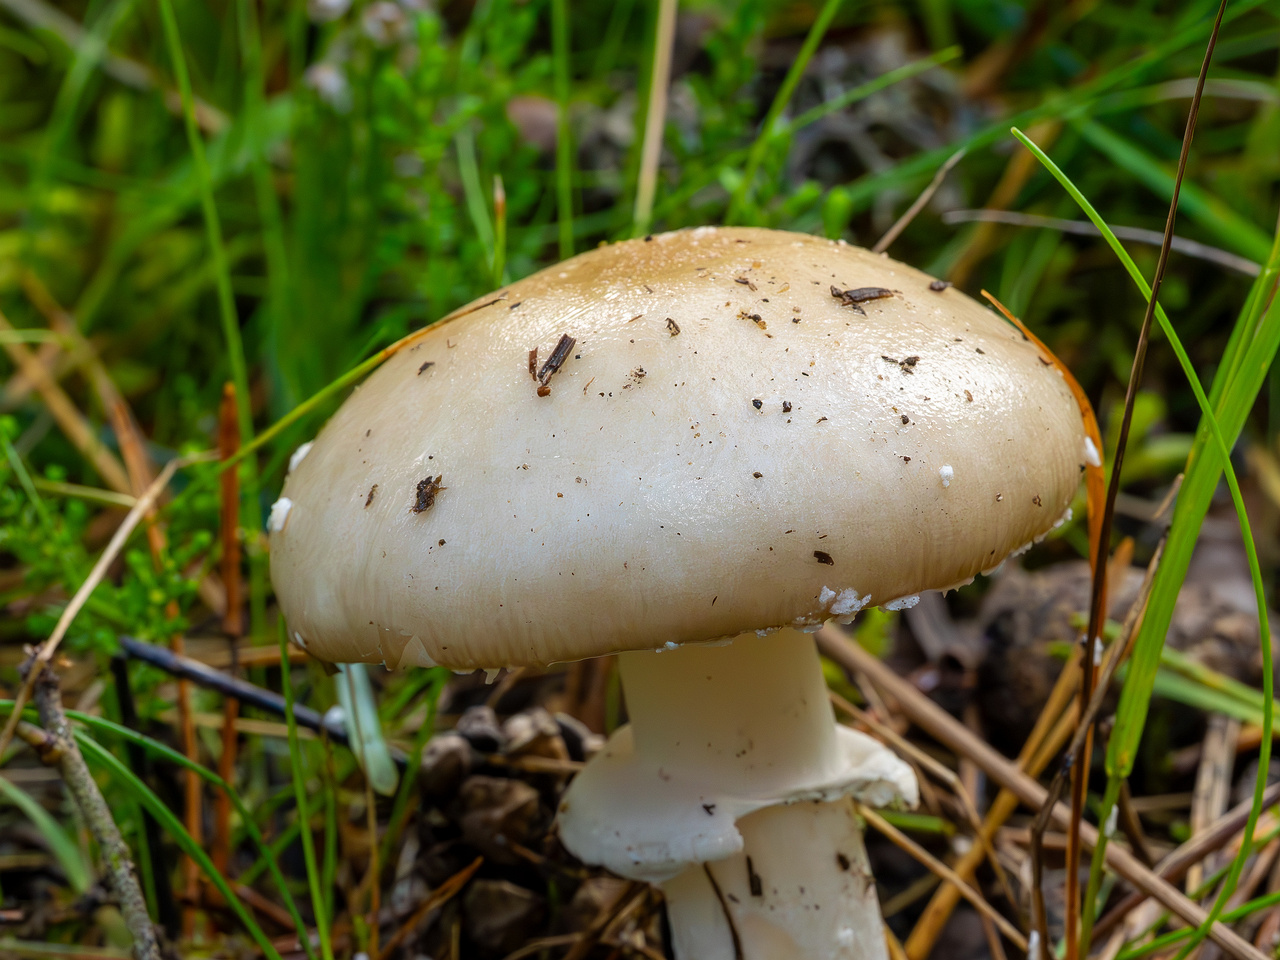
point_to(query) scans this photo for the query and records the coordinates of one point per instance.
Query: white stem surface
(801, 889)
(733, 768)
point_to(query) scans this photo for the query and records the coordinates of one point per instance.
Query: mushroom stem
(730, 790)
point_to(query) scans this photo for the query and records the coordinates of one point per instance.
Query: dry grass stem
(66, 414)
(656, 114)
(438, 898)
(47, 649)
(56, 746)
(936, 866)
(941, 725)
(913, 211)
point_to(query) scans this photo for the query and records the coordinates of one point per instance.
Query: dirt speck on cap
(428, 487)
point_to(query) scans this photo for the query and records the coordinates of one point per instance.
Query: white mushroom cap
(727, 447)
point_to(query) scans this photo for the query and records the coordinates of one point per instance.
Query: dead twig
(656, 115)
(1174, 866)
(938, 723)
(913, 211)
(1213, 787)
(941, 772)
(1083, 228)
(438, 898)
(205, 676)
(67, 415)
(55, 745)
(936, 866)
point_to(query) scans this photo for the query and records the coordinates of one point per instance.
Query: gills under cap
(750, 429)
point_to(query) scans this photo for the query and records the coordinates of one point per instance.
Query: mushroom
(692, 450)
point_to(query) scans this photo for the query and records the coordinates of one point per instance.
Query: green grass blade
(437, 678)
(464, 142)
(213, 224)
(1210, 457)
(226, 303)
(62, 847)
(120, 773)
(1231, 229)
(300, 799)
(168, 754)
(564, 135)
(780, 101)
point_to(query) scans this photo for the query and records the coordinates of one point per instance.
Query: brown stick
(906, 748)
(940, 724)
(940, 869)
(229, 481)
(1174, 866)
(439, 896)
(1052, 729)
(56, 746)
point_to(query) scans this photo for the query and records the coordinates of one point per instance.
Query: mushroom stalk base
(730, 790)
(800, 890)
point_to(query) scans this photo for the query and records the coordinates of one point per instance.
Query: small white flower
(384, 23)
(330, 84)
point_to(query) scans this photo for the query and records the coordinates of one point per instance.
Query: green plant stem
(168, 754)
(407, 783)
(300, 799)
(1136, 694)
(765, 136)
(279, 291)
(564, 135)
(226, 304)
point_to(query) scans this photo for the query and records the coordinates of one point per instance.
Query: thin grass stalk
(765, 136)
(213, 225)
(1121, 752)
(499, 231)
(655, 121)
(300, 800)
(279, 281)
(228, 442)
(464, 142)
(226, 300)
(564, 134)
(329, 862)
(119, 771)
(400, 806)
(1097, 595)
(167, 753)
